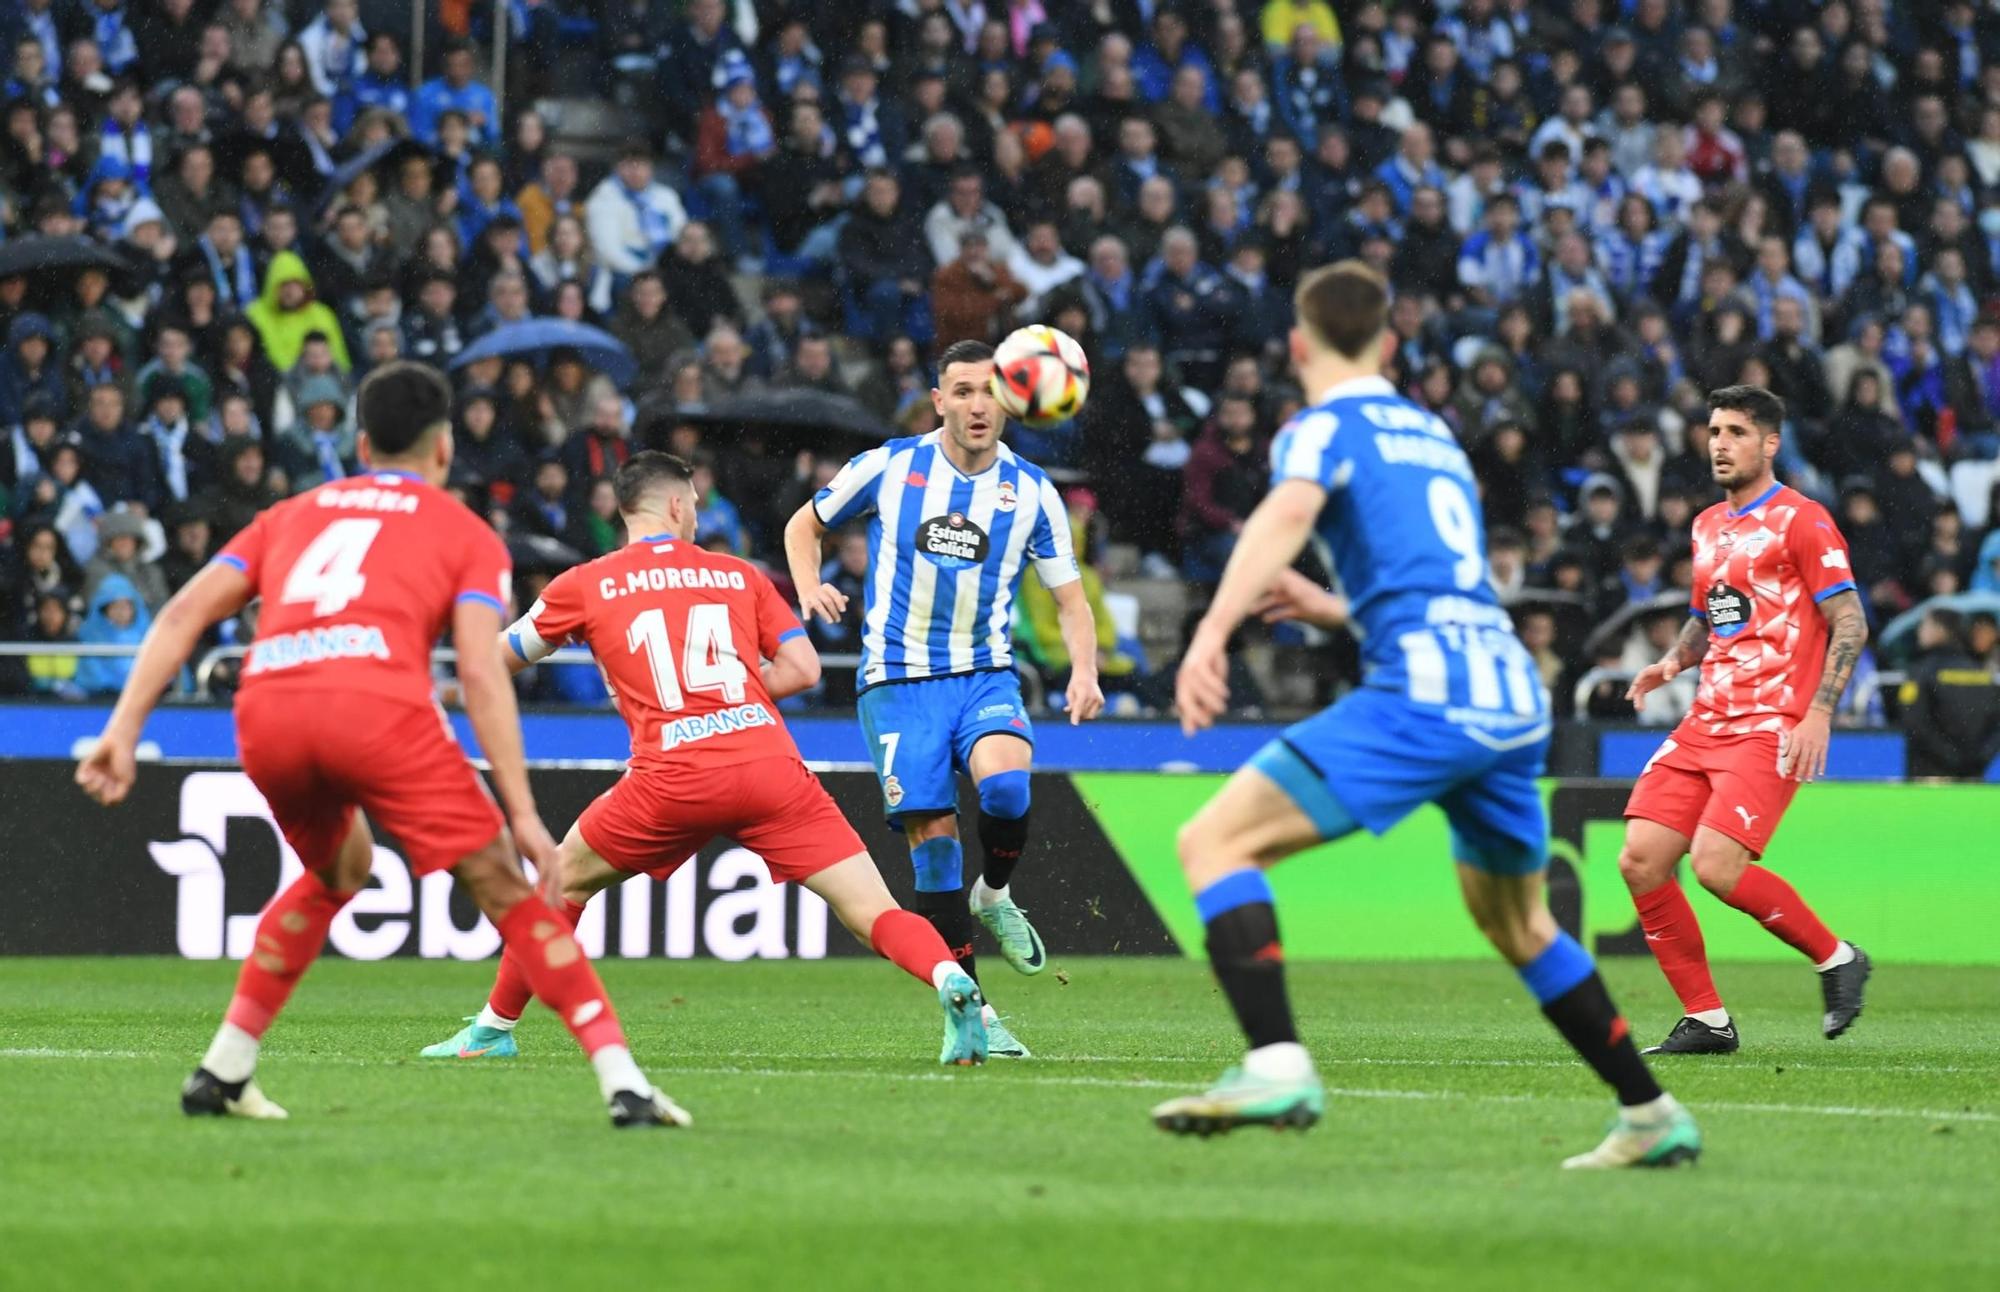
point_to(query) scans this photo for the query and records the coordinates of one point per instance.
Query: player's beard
(1738, 473)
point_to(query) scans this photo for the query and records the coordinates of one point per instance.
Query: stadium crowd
(1591, 212)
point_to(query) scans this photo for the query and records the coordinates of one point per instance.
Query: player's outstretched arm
(793, 669)
(1079, 634)
(1296, 598)
(488, 695)
(1687, 652)
(1802, 755)
(804, 534)
(1271, 540)
(218, 591)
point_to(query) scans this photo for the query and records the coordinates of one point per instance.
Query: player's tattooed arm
(1847, 633)
(1692, 644)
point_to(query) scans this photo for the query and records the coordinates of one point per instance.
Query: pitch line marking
(1421, 1063)
(1148, 1083)
(1113, 1083)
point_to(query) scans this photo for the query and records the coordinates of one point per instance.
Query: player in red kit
(1776, 627)
(335, 717)
(680, 633)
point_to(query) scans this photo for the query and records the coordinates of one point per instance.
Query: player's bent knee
(1644, 870)
(932, 825)
(1004, 795)
(1718, 863)
(492, 877)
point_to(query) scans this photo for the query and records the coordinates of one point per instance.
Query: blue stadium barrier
(205, 732)
(190, 731)
(1853, 755)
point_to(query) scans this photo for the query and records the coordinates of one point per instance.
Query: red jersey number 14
(709, 661)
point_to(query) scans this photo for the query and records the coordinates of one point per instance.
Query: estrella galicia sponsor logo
(953, 541)
(1728, 610)
(996, 711)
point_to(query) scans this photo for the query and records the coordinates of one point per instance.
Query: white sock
(1842, 954)
(1712, 1017)
(1652, 1112)
(942, 970)
(984, 896)
(616, 1071)
(232, 1055)
(1285, 1061)
(487, 1018)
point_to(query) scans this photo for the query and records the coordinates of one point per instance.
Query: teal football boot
(475, 1042)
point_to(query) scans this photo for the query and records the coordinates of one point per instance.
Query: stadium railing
(1860, 699)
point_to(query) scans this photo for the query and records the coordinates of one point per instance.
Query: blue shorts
(1374, 757)
(920, 734)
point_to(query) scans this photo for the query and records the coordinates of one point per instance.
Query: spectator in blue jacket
(1154, 63)
(117, 618)
(1413, 166)
(29, 368)
(1194, 308)
(382, 84)
(456, 89)
(1307, 85)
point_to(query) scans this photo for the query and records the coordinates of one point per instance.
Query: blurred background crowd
(742, 228)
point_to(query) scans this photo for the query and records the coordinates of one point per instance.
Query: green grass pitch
(829, 1151)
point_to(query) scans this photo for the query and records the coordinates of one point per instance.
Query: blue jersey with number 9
(1408, 541)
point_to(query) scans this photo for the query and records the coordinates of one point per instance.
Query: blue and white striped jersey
(945, 553)
(1403, 523)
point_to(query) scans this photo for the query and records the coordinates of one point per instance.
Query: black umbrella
(540, 552)
(381, 157)
(38, 255)
(799, 409)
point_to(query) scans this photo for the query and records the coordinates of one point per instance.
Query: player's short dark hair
(647, 471)
(1763, 408)
(963, 352)
(400, 403)
(1343, 305)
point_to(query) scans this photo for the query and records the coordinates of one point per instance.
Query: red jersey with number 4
(678, 633)
(1759, 575)
(358, 580)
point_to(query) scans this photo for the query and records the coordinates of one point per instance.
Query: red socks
(289, 938)
(1674, 937)
(909, 941)
(511, 991)
(1777, 906)
(540, 944)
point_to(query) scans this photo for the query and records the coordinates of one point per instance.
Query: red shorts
(650, 822)
(316, 756)
(1730, 784)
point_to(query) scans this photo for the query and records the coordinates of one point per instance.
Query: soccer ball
(1040, 375)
